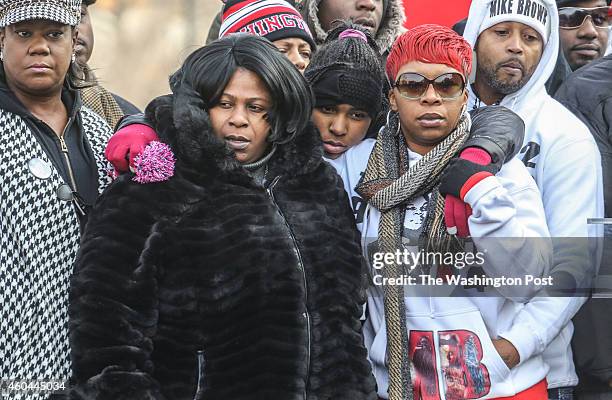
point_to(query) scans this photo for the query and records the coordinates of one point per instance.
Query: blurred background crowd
(134, 52)
(130, 33)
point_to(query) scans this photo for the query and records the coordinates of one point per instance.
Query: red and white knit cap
(272, 19)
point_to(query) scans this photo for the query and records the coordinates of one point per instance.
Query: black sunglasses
(413, 86)
(574, 17)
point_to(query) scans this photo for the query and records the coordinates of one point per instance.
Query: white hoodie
(455, 334)
(563, 158)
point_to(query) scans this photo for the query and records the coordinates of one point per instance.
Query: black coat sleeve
(497, 130)
(143, 118)
(113, 300)
(132, 119)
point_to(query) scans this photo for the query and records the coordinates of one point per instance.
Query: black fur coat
(208, 286)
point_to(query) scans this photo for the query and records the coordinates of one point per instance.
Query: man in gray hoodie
(383, 18)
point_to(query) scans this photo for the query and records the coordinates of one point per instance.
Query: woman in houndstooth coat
(51, 172)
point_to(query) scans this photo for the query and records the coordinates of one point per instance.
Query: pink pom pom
(154, 164)
(353, 33)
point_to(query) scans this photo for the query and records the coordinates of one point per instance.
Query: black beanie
(347, 69)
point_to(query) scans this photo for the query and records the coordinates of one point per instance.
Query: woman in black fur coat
(240, 277)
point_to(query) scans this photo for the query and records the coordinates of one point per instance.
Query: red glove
(456, 211)
(126, 144)
(476, 155)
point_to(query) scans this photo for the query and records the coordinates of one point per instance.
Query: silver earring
(73, 57)
(389, 113)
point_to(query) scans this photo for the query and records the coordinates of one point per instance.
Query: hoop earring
(397, 131)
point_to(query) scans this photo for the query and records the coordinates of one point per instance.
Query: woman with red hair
(423, 171)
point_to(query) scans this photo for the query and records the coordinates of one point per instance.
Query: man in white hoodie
(516, 44)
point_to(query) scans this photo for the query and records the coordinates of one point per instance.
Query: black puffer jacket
(208, 286)
(588, 94)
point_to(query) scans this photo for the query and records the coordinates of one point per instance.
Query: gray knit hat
(63, 11)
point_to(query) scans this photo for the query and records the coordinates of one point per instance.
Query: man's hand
(472, 166)
(456, 214)
(507, 352)
(496, 136)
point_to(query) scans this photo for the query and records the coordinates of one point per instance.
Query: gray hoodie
(390, 28)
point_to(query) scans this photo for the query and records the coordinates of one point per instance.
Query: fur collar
(391, 26)
(199, 152)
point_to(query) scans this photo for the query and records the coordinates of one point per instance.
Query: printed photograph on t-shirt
(465, 377)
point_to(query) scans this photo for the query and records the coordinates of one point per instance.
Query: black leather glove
(497, 130)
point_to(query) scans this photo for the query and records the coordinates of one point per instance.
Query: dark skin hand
(507, 352)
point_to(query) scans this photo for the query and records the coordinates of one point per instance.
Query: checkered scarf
(100, 100)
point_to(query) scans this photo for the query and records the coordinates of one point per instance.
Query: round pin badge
(39, 168)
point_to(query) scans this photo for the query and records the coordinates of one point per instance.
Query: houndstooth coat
(39, 237)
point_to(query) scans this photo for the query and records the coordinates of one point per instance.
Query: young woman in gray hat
(51, 171)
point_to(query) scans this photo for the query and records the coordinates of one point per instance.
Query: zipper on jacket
(298, 255)
(64, 149)
(201, 384)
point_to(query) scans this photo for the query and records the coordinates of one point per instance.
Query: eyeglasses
(574, 17)
(413, 86)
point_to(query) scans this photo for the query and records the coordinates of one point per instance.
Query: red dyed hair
(432, 44)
